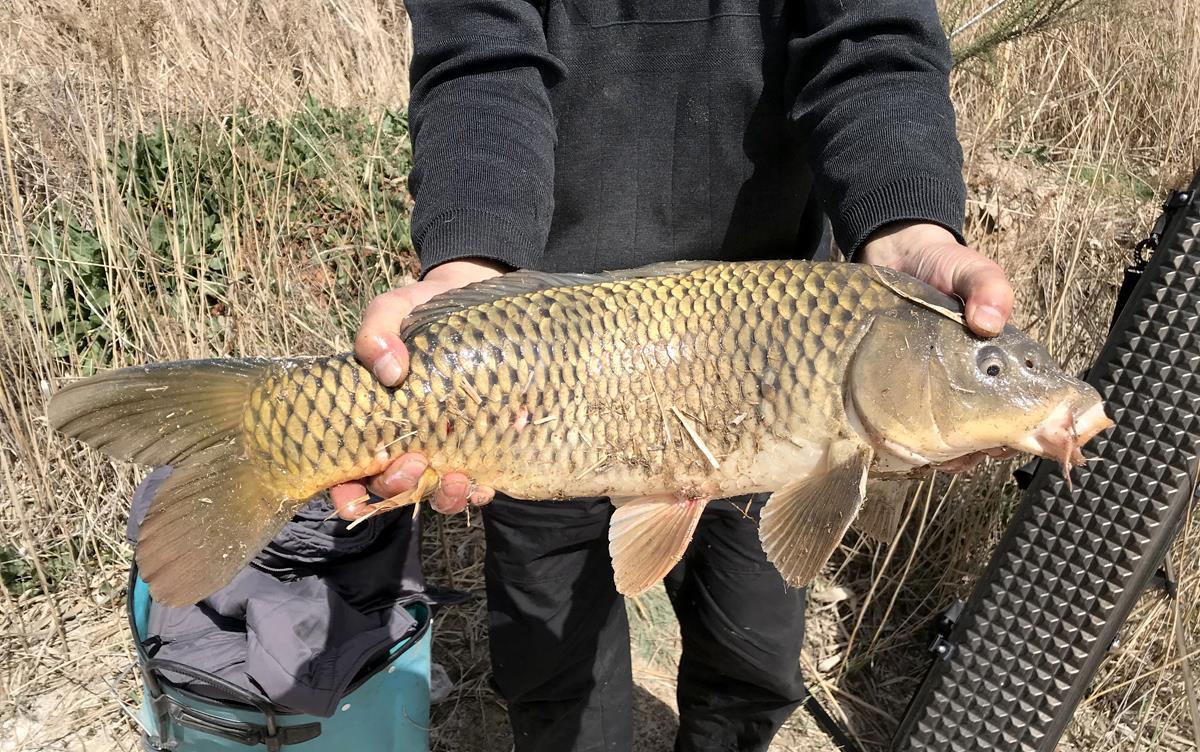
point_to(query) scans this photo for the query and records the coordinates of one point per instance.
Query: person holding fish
(597, 136)
(621, 213)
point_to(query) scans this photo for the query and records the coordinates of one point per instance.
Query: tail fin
(216, 510)
(158, 414)
(210, 517)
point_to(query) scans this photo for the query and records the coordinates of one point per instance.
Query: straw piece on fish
(400, 438)
(658, 402)
(528, 383)
(546, 419)
(699, 442)
(952, 315)
(586, 471)
(470, 392)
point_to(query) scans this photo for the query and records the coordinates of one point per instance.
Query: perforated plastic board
(1072, 564)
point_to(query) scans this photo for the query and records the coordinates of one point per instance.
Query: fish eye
(991, 361)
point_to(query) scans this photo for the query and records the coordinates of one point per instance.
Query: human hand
(931, 253)
(379, 348)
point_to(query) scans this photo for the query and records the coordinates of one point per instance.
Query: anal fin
(803, 522)
(647, 536)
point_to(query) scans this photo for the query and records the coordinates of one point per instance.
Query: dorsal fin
(525, 281)
(918, 292)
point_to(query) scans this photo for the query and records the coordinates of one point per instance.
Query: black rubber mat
(1072, 564)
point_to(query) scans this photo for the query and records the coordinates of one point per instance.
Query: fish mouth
(1065, 430)
(1058, 437)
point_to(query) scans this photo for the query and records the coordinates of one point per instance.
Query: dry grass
(1108, 107)
(1070, 137)
(76, 77)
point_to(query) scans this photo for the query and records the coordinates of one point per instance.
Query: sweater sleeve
(868, 83)
(483, 131)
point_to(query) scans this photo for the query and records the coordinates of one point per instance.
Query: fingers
(452, 493)
(377, 344)
(989, 297)
(481, 496)
(931, 253)
(400, 476)
(967, 273)
(455, 490)
(350, 500)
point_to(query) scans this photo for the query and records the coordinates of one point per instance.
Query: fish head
(926, 391)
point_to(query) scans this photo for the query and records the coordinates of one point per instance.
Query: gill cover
(890, 390)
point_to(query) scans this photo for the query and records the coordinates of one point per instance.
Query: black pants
(560, 639)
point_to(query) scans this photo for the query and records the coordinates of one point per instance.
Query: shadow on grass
(478, 722)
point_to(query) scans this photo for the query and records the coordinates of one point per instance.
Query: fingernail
(407, 474)
(441, 503)
(455, 489)
(387, 369)
(989, 319)
(480, 496)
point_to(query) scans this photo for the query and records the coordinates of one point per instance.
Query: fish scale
(744, 352)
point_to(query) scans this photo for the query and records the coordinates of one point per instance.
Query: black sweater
(584, 135)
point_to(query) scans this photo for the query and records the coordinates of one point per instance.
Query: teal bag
(385, 709)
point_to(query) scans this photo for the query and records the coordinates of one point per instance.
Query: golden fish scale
(581, 390)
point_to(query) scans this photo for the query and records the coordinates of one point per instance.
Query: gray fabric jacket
(314, 609)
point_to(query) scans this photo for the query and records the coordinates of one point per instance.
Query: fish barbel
(661, 388)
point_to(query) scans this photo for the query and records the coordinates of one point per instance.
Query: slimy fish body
(662, 388)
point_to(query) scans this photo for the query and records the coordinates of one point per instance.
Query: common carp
(662, 388)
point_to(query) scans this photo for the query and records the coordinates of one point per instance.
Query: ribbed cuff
(471, 233)
(918, 198)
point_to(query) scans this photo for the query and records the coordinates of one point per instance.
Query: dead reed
(1072, 130)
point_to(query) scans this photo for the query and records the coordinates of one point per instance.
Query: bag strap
(168, 710)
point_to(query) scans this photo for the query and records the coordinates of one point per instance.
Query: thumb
(378, 345)
(984, 288)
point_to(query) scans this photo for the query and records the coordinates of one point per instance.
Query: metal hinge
(941, 646)
(1145, 249)
(1175, 200)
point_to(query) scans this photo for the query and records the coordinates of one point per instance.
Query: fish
(662, 388)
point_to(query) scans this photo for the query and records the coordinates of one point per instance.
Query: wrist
(463, 271)
(896, 240)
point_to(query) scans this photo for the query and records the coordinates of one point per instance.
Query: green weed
(323, 190)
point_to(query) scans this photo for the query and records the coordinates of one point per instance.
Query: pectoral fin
(883, 510)
(647, 536)
(803, 522)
